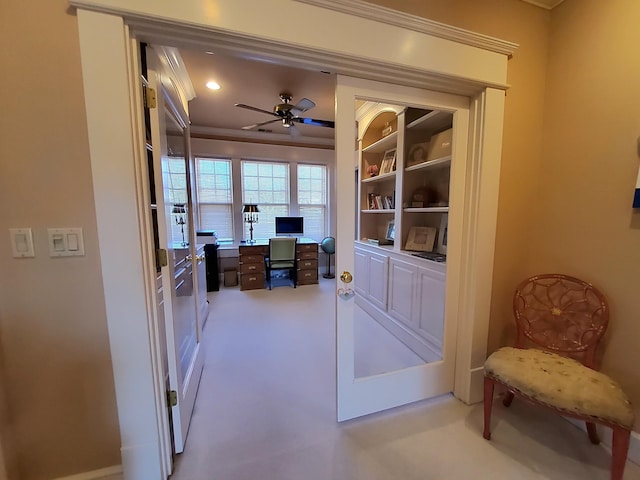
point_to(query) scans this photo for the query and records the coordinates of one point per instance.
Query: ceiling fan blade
(302, 106)
(255, 109)
(256, 125)
(315, 122)
(293, 131)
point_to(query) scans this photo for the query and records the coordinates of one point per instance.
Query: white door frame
(107, 29)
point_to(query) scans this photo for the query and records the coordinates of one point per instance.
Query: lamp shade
(250, 208)
(178, 208)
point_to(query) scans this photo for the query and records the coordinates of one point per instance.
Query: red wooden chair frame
(567, 316)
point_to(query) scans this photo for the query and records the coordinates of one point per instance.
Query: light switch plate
(66, 242)
(22, 243)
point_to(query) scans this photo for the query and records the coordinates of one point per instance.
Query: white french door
(171, 152)
(360, 339)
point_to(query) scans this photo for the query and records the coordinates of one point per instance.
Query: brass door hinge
(150, 100)
(172, 398)
(163, 257)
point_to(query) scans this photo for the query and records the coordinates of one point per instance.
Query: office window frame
(225, 196)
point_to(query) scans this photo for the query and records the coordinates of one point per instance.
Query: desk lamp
(179, 209)
(250, 211)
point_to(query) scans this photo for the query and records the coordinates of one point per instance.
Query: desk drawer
(251, 281)
(307, 255)
(251, 267)
(253, 250)
(307, 277)
(251, 258)
(308, 265)
(311, 247)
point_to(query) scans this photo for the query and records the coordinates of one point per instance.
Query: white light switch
(65, 242)
(21, 242)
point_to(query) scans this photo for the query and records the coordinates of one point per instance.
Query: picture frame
(417, 154)
(390, 231)
(388, 161)
(442, 234)
(421, 239)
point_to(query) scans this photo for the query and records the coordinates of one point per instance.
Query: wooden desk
(251, 263)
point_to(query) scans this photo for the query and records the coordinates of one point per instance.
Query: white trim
(476, 269)
(260, 137)
(108, 473)
(124, 257)
(175, 67)
(362, 9)
(456, 67)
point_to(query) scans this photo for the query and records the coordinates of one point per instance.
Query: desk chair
(564, 318)
(282, 256)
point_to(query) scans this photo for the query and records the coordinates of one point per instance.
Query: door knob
(346, 277)
(346, 293)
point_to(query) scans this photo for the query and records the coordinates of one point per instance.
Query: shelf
(444, 161)
(381, 210)
(380, 178)
(426, 210)
(432, 122)
(383, 144)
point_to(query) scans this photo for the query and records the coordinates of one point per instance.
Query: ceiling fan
(288, 114)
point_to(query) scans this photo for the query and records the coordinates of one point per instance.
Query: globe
(328, 245)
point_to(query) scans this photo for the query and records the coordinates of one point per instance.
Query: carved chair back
(561, 314)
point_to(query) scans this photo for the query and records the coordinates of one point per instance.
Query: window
(267, 185)
(215, 199)
(312, 199)
(176, 179)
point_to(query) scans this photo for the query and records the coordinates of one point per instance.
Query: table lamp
(250, 212)
(179, 209)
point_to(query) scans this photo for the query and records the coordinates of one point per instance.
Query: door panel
(389, 316)
(170, 134)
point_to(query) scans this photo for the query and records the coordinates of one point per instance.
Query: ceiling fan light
(213, 85)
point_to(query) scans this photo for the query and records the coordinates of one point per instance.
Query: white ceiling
(257, 84)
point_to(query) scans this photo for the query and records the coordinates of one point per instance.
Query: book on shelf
(379, 241)
(381, 202)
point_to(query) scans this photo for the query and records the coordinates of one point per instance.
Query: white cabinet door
(429, 314)
(402, 287)
(361, 271)
(378, 271)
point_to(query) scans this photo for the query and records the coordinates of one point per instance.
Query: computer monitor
(289, 225)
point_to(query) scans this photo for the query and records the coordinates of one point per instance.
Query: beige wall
(589, 166)
(59, 390)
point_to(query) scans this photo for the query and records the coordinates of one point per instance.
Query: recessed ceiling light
(213, 85)
(209, 52)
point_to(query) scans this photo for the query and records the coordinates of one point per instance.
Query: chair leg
(488, 403)
(593, 433)
(294, 272)
(508, 398)
(619, 449)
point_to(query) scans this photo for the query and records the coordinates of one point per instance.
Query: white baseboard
(606, 437)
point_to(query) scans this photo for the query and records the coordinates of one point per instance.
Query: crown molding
(360, 8)
(172, 61)
(260, 137)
